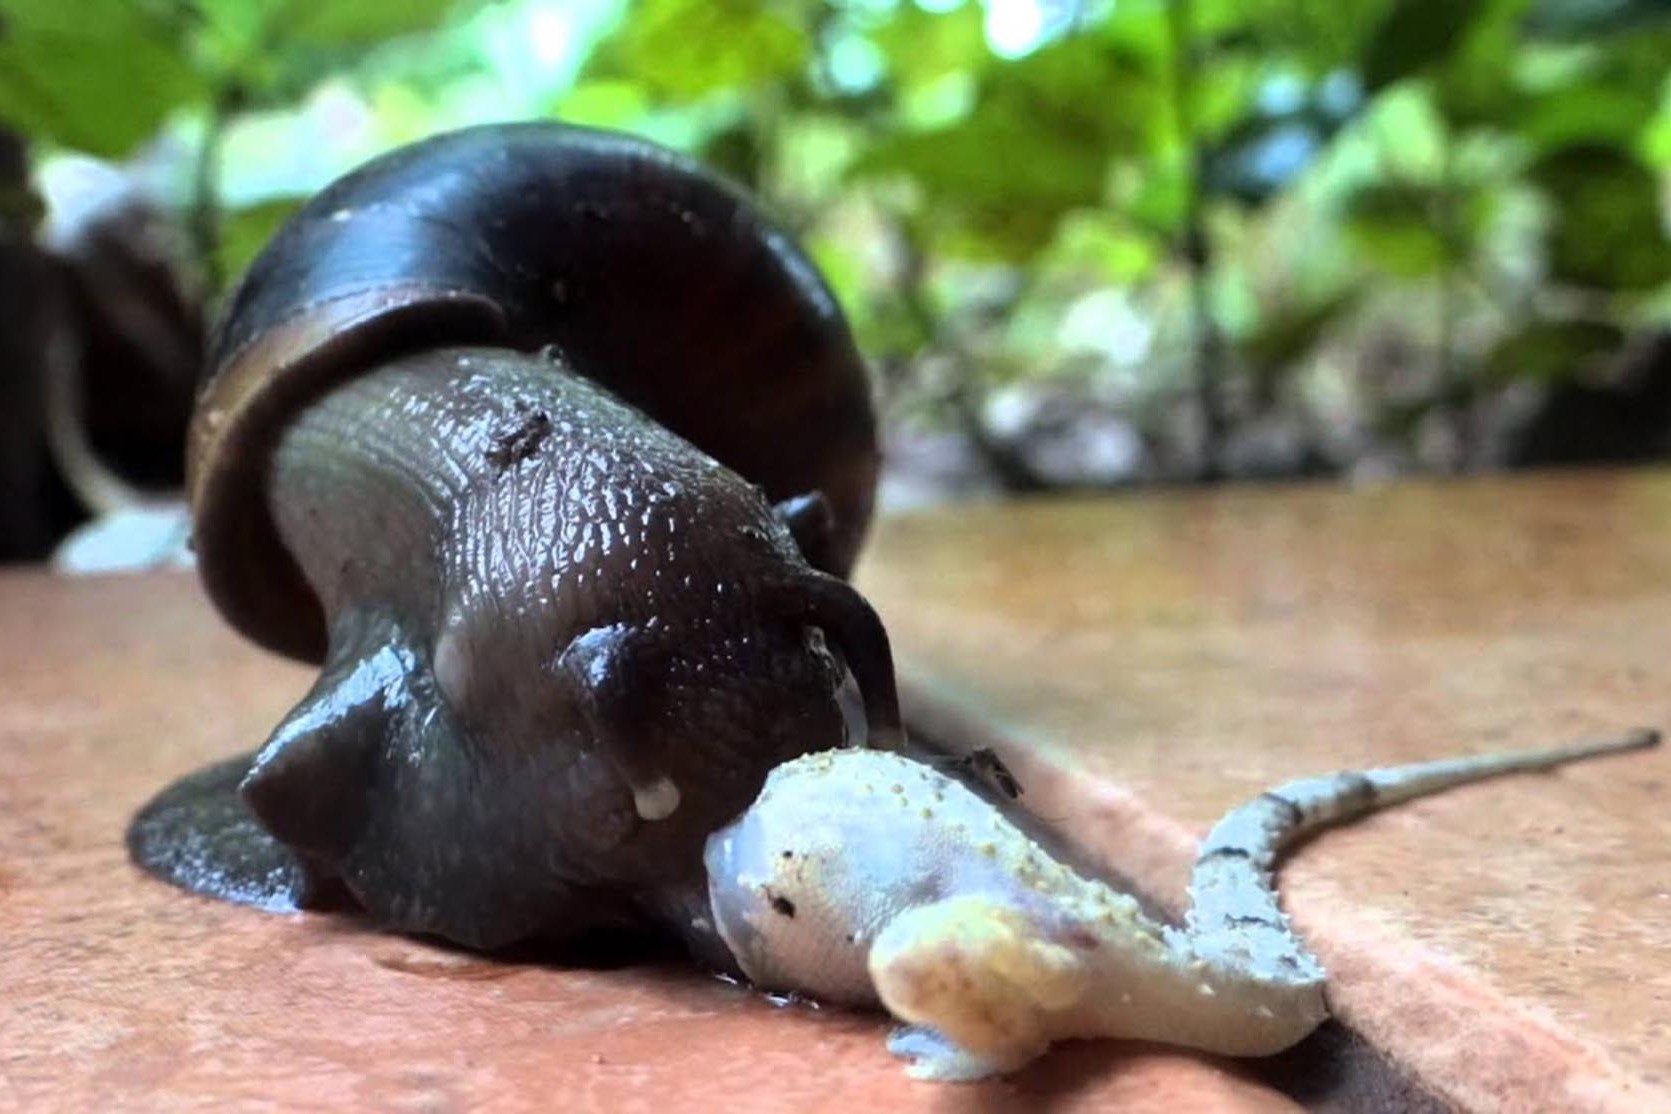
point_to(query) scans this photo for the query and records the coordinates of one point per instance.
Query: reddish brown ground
(1144, 663)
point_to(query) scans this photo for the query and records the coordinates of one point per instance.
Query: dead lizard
(864, 877)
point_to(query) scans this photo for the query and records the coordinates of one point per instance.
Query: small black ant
(985, 766)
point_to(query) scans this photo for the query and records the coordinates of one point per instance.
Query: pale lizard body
(864, 877)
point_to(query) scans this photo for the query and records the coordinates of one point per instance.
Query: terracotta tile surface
(1148, 662)
(118, 993)
(1143, 662)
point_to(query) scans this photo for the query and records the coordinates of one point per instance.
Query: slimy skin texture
(565, 646)
(866, 878)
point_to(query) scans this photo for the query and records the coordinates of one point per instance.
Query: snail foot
(197, 834)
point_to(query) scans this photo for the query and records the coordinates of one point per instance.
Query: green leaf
(991, 159)
(602, 103)
(1396, 229)
(1551, 351)
(1607, 230)
(1415, 35)
(1105, 248)
(1155, 195)
(1583, 113)
(1476, 82)
(359, 22)
(1583, 18)
(96, 75)
(240, 27)
(1039, 143)
(735, 151)
(1600, 93)
(272, 50)
(1226, 94)
(229, 40)
(244, 232)
(920, 46)
(1097, 93)
(1324, 35)
(686, 49)
(1007, 182)
(842, 267)
(1141, 30)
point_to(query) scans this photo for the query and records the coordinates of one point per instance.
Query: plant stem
(1448, 385)
(204, 219)
(1014, 473)
(1195, 247)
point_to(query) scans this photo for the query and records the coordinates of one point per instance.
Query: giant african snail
(494, 429)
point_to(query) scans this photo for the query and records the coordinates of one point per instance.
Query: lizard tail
(1234, 915)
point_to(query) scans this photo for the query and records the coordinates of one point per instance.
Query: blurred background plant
(1086, 242)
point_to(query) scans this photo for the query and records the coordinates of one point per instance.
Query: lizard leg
(930, 1054)
(975, 973)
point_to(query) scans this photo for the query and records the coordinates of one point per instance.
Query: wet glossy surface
(1170, 655)
(565, 646)
(1165, 655)
(119, 992)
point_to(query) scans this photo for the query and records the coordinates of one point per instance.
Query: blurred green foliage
(1357, 218)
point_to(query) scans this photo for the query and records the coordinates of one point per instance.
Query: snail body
(553, 453)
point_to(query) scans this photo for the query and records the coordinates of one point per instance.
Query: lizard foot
(932, 1055)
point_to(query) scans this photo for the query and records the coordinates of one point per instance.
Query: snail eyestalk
(850, 623)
